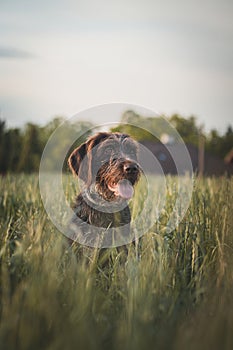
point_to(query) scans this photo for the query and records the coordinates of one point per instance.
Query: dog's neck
(94, 199)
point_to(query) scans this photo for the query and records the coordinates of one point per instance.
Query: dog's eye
(108, 150)
(131, 152)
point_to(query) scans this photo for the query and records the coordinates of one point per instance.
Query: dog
(107, 165)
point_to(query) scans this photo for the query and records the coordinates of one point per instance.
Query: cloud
(12, 52)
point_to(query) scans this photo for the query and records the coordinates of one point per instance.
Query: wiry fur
(101, 162)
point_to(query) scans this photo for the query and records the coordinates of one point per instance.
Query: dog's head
(108, 160)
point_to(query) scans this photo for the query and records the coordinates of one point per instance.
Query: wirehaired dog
(107, 165)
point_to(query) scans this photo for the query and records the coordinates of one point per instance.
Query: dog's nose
(131, 168)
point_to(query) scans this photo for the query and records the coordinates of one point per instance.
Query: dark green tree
(13, 145)
(220, 145)
(186, 127)
(31, 149)
(3, 158)
(141, 128)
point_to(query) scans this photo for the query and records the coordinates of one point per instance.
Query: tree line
(188, 128)
(21, 148)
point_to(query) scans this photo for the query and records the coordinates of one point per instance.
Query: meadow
(169, 291)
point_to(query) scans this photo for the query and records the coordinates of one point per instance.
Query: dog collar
(96, 201)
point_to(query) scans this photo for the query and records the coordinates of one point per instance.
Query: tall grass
(169, 291)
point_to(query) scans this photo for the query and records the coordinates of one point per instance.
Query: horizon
(106, 125)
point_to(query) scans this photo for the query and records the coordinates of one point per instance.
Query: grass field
(169, 292)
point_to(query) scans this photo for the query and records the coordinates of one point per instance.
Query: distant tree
(227, 141)
(68, 136)
(3, 156)
(213, 142)
(31, 149)
(186, 127)
(220, 145)
(2, 130)
(13, 144)
(21, 150)
(47, 130)
(141, 128)
(148, 127)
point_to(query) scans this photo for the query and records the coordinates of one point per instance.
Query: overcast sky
(60, 57)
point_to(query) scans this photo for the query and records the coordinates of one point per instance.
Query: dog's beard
(112, 181)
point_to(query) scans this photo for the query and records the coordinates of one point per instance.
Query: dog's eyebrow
(124, 137)
(129, 146)
(110, 142)
(129, 141)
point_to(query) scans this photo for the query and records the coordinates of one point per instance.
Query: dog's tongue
(125, 189)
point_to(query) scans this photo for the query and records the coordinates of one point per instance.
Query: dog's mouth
(123, 189)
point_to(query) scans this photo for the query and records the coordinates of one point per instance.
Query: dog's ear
(80, 160)
(75, 161)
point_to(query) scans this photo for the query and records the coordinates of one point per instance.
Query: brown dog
(107, 164)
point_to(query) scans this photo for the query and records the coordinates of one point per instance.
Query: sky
(61, 57)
